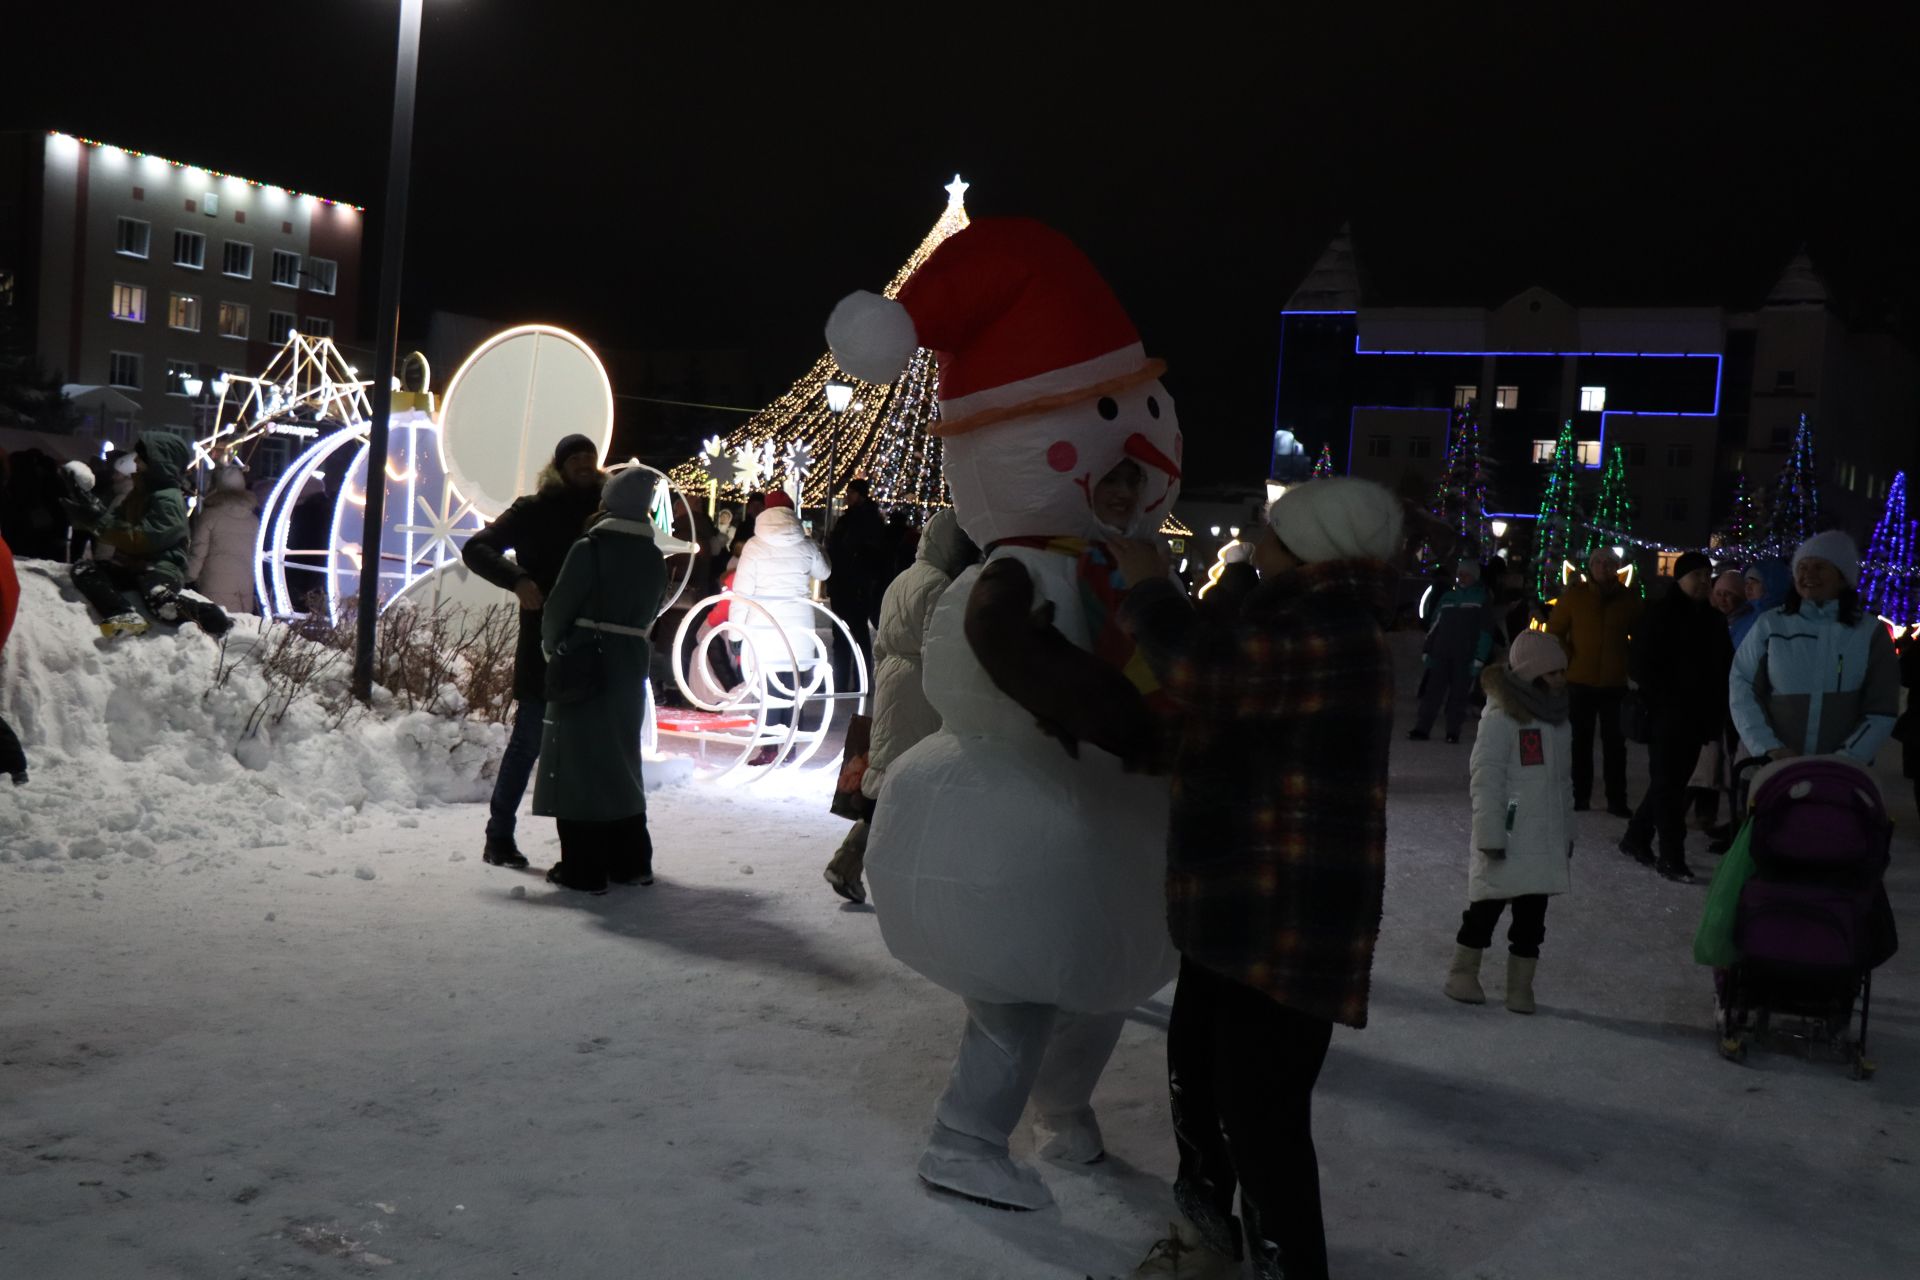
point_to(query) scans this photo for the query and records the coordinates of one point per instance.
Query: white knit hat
(1533, 654)
(1338, 518)
(1837, 549)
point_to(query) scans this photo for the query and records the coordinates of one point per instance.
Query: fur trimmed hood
(1522, 703)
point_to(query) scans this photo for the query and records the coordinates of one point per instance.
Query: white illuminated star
(441, 527)
(957, 192)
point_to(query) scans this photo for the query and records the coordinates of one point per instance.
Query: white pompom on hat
(1837, 549)
(629, 494)
(81, 474)
(1338, 518)
(1533, 654)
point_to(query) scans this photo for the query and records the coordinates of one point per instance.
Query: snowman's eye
(1108, 407)
(1153, 407)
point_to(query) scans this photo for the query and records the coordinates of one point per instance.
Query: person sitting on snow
(13, 757)
(147, 533)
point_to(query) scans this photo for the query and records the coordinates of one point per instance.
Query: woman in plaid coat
(1276, 860)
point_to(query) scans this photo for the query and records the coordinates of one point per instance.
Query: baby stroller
(1813, 920)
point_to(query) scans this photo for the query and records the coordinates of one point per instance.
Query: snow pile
(138, 750)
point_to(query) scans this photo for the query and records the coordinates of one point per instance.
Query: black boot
(504, 853)
(1674, 867)
(1637, 847)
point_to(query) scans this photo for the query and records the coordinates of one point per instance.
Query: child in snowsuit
(1458, 644)
(1522, 816)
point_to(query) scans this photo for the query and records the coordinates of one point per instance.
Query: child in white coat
(1522, 816)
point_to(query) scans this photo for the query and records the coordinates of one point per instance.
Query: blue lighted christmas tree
(1460, 496)
(1888, 575)
(1793, 513)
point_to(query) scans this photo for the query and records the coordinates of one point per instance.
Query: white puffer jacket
(901, 713)
(220, 563)
(777, 569)
(1523, 769)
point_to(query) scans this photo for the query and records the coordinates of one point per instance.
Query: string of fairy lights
(883, 433)
(111, 149)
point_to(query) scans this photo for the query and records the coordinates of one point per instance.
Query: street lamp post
(386, 342)
(839, 396)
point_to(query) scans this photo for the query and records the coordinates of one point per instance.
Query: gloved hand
(1495, 854)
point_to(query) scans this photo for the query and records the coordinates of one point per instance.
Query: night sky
(712, 176)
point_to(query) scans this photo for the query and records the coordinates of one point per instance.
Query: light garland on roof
(180, 164)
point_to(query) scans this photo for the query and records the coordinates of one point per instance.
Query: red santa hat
(1021, 323)
(778, 498)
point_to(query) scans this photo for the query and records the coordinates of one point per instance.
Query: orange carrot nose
(1142, 450)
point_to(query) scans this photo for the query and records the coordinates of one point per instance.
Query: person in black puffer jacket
(539, 530)
(1679, 658)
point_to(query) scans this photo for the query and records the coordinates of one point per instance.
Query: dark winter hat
(629, 495)
(571, 445)
(1688, 561)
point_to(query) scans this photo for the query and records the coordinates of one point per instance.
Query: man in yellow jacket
(1595, 620)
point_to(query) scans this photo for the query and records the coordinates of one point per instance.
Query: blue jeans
(516, 767)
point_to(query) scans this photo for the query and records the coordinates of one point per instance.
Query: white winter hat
(1533, 654)
(1837, 549)
(1338, 518)
(629, 494)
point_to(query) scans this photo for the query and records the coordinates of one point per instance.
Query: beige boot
(1463, 979)
(1520, 982)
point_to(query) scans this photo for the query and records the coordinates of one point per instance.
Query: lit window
(178, 371)
(132, 237)
(1679, 455)
(286, 268)
(1587, 453)
(130, 303)
(1464, 396)
(189, 249)
(1379, 446)
(1419, 447)
(1593, 399)
(317, 327)
(183, 312)
(1543, 450)
(237, 259)
(320, 274)
(123, 369)
(1506, 397)
(233, 319)
(279, 325)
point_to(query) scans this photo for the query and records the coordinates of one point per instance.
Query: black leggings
(1524, 935)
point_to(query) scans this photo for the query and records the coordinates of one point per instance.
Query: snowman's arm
(1072, 694)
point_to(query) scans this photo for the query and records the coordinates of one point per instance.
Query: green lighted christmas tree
(1612, 523)
(1793, 513)
(1559, 517)
(1323, 465)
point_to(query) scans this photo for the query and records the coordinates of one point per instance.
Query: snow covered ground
(343, 1046)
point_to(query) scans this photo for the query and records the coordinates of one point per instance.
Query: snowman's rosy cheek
(1062, 456)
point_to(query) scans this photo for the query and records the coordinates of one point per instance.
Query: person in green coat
(610, 589)
(149, 537)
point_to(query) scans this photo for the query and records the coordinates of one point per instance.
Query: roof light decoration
(883, 431)
(201, 170)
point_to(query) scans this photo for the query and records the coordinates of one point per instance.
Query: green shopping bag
(1713, 944)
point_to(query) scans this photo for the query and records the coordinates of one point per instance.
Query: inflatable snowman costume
(1013, 859)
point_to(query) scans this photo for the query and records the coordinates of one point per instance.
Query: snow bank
(137, 751)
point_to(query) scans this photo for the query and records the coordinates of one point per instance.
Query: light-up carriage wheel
(785, 672)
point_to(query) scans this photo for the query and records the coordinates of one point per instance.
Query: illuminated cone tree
(1741, 529)
(1323, 465)
(1612, 523)
(1793, 513)
(1460, 496)
(1556, 529)
(882, 433)
(1889, 577)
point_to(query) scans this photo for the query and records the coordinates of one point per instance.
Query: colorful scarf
(1101, 589)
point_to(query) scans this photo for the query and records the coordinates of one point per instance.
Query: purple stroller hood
(1821, 813)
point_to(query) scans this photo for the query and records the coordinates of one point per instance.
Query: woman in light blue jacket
(1818, 675)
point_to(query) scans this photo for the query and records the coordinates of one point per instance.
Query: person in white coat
(220, 563)
(1522, 816)
(902, 715)
(778, 567)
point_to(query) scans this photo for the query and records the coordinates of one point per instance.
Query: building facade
(141, 275)
(1690, 395)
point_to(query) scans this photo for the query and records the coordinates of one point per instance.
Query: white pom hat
(1338, 518)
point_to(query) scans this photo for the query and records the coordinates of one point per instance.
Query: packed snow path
(362, 1052)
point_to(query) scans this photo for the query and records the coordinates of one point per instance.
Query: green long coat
(590, 750)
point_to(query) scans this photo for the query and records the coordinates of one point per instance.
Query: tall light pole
(839, 396)
(386, 343)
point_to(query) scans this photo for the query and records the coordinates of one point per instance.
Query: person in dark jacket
(862, 552)
(1679, 659)
(1459, 641)
(148, 536)
(1276, 859)
(608, 592)
(538, 529)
